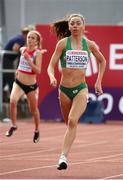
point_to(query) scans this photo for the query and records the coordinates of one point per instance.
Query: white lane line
(28, 140)
(51, 166)
(27, 153)
(28, 169)
(53, 149)
(109, 177)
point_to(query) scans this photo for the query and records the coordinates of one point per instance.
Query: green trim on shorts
(72, 92)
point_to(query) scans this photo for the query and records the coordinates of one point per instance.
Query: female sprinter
(73, 50)
(26, 83)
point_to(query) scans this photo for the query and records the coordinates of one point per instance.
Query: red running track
(97, 152)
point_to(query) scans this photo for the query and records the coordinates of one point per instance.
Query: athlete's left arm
(38, 62)
(102, 65)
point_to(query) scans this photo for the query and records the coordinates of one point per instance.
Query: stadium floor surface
(97, 152)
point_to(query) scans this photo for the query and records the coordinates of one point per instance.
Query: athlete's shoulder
(62, 42)
(92, 44)
(37, 52)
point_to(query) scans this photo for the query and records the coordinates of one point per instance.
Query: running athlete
(73, 50)
(26, 83)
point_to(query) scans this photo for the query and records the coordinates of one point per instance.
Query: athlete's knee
(72, 123)
(13, 102)
(66, 121)
(34, 111)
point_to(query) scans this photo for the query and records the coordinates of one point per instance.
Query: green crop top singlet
(75, 58)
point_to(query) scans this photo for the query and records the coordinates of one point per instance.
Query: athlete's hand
(53, 82)
(26, 56)
(98, 88)
(43, 51)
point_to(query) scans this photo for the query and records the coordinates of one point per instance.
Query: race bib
(76, 59)
(24, 65)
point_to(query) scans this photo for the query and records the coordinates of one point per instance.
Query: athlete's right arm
(60, 46)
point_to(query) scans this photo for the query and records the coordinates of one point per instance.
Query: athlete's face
(76, 25)
(31, 39)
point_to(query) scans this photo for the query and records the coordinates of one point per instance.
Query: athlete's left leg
(33, 106)
(77, 109)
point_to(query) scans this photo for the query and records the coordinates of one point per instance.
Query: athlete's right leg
(65, 104)
(16, 94)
